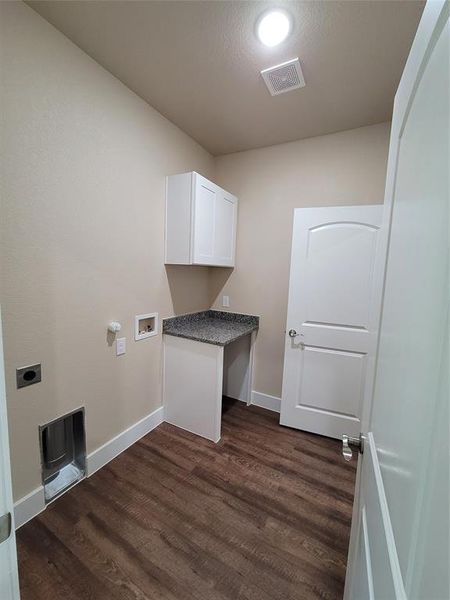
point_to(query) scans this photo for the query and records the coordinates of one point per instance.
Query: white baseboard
(125, 439)
(29, 506)
(266, 401)
(34, 503)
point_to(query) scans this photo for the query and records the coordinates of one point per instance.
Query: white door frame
(9, 581)
(435, 13)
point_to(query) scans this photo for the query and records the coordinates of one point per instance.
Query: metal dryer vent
(63, 453)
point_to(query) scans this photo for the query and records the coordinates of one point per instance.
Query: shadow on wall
(189, 288)
(217, 280)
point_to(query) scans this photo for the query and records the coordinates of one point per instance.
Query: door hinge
(5, 527)
(349, 442)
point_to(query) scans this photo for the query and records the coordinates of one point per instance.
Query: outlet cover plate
(121, 346)
(26, 376)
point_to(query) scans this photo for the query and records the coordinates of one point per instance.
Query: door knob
(292, 333)
(348, 443)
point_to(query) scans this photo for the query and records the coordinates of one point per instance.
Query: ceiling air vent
(283, 78)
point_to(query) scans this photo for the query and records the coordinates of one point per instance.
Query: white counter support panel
(193, 373)
(197, 374)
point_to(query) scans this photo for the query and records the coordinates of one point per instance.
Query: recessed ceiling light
(274, 27)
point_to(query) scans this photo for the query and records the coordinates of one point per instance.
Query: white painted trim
(397, 578)
(29, 506)
(100, 457)
(9, 579)
(266, 401)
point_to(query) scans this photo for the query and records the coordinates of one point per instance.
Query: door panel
(363, 585)
(205, 219)
(377, 530)
(412, 332)
(332, 380)
(225, 230)
(215, 220)
(334, 275)
(340, 265)
(404, 471)
(430, 575)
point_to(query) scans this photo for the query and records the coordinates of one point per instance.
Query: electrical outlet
(121, 346)
(226, 301)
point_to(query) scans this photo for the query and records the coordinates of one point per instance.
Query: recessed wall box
(28, 375)
(63, 453)
(145, 326)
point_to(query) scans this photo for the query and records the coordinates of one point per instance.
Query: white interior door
(332, 322)
(9, 583)
(400, 531)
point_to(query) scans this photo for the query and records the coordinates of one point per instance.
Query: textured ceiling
(198, 62)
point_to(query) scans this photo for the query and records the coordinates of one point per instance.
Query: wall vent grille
(284, 78)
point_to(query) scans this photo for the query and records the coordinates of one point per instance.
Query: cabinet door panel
(214, 224)
(204, 221)
(225, 229)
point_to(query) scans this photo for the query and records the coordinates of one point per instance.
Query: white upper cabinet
(201, 221)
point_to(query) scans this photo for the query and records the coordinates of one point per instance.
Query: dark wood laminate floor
(263, 515)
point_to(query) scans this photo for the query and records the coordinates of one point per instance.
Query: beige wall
(84, 162)
(339, 169)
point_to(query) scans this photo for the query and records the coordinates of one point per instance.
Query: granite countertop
(211, 326)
